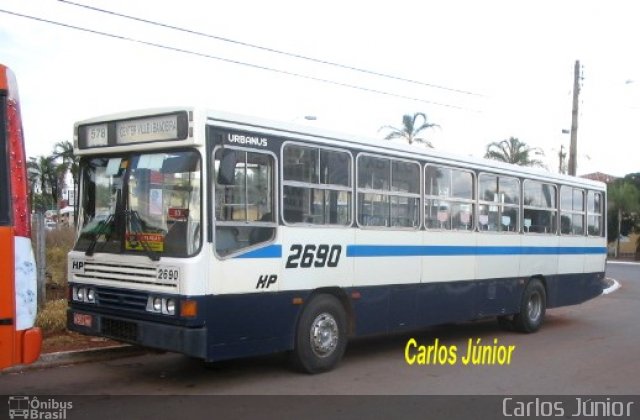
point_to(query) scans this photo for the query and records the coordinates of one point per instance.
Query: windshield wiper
(134, 217)
(101, 229)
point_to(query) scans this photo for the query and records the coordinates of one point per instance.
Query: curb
(48, 360)
(613, 286)
(622, 262)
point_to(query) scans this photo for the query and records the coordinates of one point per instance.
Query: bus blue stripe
(434, 250)
(271, 251)
(355, 251)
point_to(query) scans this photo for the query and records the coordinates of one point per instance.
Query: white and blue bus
(223, 236)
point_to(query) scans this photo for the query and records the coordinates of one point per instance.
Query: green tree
(514, 151)
(411, 129)
(69, 161)
(33, 178)
(41, 172)
(48, 174)
(624, 199)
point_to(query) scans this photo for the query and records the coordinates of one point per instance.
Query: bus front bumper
(185, 340)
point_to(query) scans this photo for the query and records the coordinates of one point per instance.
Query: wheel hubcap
(534, 306)
(324, 335)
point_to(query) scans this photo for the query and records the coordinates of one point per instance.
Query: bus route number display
(97, 135)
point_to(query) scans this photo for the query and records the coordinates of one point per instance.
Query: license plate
(82, 319)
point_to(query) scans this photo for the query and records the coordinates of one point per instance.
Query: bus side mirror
(227, 168)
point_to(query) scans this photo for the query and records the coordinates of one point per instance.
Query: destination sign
(147, 129)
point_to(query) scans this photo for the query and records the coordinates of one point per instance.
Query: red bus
(20, 340)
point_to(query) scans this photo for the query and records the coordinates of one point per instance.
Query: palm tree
(44, 171)
(624, 197)
(514, 151)
(40, 174)
(70, 162)
(33, 178)
(410, 129)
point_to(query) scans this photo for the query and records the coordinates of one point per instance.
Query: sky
(507, 67)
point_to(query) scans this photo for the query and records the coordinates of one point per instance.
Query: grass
(53, 317)
(58, 242)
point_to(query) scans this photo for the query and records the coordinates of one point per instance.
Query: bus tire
(321, 335)
(532, 308)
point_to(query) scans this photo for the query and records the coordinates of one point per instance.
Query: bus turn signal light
(189, 308)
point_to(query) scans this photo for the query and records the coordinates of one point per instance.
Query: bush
(58, 242)
(57, 265)
(63, 237)
(53, 317)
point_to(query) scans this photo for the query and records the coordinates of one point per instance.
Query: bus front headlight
(83, 294)
(171, 306)
(161, 305)
(157, 305)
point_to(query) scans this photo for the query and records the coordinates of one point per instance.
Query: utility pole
(41, 259)
(573, 148)
(561, 156)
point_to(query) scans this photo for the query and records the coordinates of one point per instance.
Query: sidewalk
(61, 358)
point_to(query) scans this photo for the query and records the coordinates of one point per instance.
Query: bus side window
(226, 239)
(594, 214)
(499, 198)
(316, 185)
(572, 209)
(449, 198)
(244, 200)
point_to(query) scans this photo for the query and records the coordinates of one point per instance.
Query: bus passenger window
(449, 200)
(244, 198)
(388, 192)
(316, 186)
(499, 209)
(540, 212)
(594, 212)
(572, 211)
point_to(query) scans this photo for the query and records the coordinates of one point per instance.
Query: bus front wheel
(532, 308)
(321, 336)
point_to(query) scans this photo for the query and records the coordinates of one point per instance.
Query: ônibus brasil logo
(24, 407)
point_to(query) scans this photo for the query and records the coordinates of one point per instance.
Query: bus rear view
(20, 341)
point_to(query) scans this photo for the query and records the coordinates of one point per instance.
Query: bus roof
(305, 132)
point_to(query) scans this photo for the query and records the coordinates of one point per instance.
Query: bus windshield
(145, 203)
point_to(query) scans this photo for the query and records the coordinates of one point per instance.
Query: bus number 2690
(318, 256)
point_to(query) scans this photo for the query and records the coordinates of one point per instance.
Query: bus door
(247, 259)
(245, 220)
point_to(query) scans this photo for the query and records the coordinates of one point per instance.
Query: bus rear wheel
(321, 336)
(532, 308)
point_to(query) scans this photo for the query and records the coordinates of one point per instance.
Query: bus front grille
(121, 299)
(123, 273)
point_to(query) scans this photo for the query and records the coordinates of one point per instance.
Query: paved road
(593, 348)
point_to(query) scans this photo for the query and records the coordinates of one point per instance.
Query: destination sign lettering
(147, 129)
